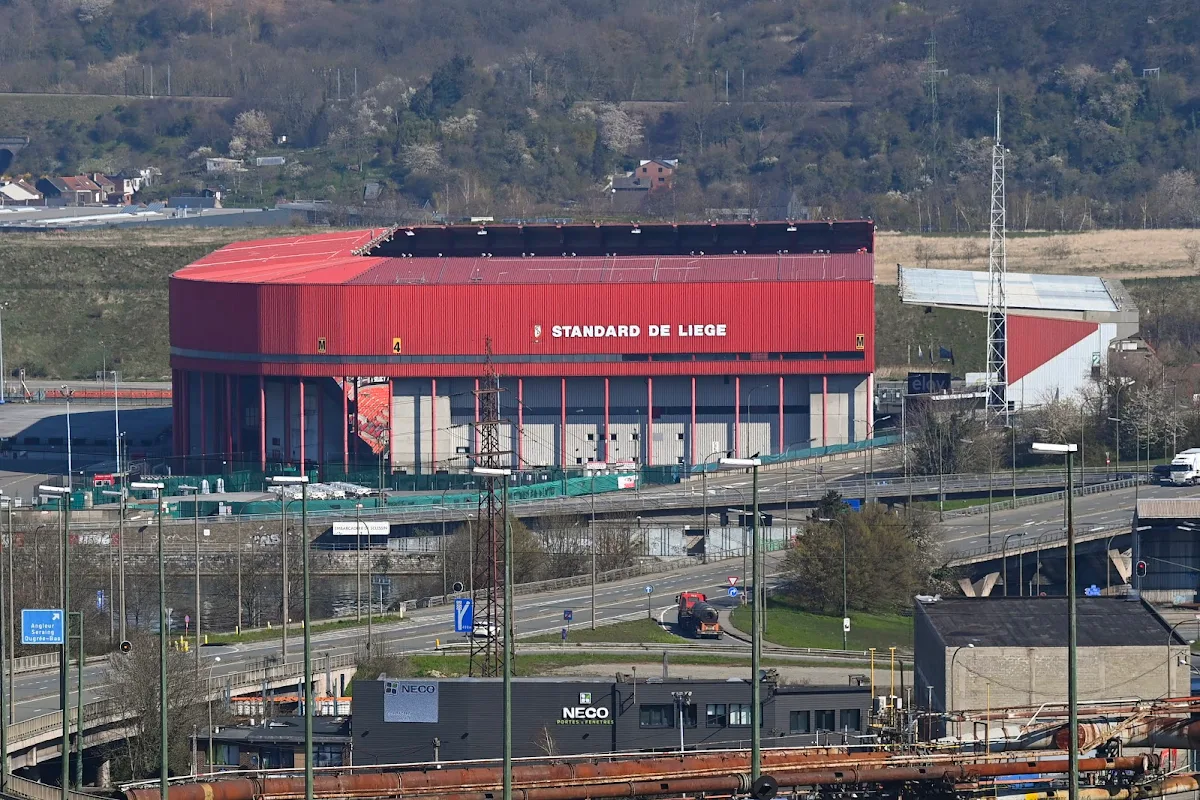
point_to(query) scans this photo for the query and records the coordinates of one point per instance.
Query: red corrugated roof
(329, 259)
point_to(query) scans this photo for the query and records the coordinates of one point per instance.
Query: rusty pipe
(1176, 784)
(374, 784)
(388, 784)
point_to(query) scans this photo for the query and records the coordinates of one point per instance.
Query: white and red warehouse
(1060, 327)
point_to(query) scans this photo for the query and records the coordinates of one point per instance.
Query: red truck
(697, 616)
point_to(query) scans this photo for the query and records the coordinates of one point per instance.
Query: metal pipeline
(1176, 784)
(481, 784)
(431, 779)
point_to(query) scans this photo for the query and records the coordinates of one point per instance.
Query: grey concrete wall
(1021, 676)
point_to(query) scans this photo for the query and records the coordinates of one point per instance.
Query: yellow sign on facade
(321, 345)
(860, 341)
(397, 347)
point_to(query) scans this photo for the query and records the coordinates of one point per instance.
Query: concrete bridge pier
(980, 588)
(104, 773)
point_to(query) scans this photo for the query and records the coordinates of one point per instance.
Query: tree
(253, 128)
(943, 441)
(134, 677)
(889, 558)
(619, 131)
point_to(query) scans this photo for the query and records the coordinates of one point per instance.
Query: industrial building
(460, 718)
(972, 653)
(652, 344)
(1061, 329)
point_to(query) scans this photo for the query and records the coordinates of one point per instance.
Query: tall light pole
(1004, 560)
(12, 613)
(3, 374)
(158, 488)
(507, 667)
(845, 599)
(704, 489)
(592, 543)
(208, 691)
(869, 458)
(442, 506)
(195, 490)
(67, 393)
(358, 562)
(120, 554)
(63, 493)
(756, 617)
(1069, 451)
(302, 480)
(5, 700)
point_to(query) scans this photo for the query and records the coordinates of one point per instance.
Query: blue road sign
(733, 591)
(564, 634)
(1092, 591)
(464, 614)
(568, 615)
(100, 599)
(649, 590)
(42, 626)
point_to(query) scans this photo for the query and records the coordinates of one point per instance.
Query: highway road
(37, 693)
(1103, 510)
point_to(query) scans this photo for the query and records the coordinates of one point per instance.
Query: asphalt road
(37, 693)
(1103, 510)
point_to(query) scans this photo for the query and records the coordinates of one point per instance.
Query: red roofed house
(72, 190)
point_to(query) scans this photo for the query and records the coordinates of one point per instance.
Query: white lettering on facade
(693, 330)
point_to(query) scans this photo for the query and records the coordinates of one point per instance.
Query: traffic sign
(100, 599)
(649, 590)
(733, 591)
(42, 626)
(1092, 591)
(564, 634)
(457, 587)
(733, 579)
(568, 615)
(464, 614)
(845, 624)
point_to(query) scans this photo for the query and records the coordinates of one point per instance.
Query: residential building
(222, 165)
(19, 193)
(74, 190)
(657, 173)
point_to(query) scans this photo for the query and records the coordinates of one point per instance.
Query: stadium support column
(320, 431)
(649, 421)
(237, 418)
(176, 415)
(607, 437)
(262, 423)
(780, 437)
(475, 428)
(563, 435)
(692, 455)
(870, 410)
(228, 426)
(287, 422)
(520, 422)
(303, 432)
(391, 409)
(737, 417)
(432, 425)
(345, 426)
(824, 411)
(203, 443)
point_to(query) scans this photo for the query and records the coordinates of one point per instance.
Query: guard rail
(1033, 500)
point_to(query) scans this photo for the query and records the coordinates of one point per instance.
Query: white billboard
(364, 528)
(410, 701)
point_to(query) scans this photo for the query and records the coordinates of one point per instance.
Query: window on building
(851, 719)
(679, 436)
(578, 460)
(327, 755)
(612, 437)
(591, 437)
(679, 460)
(800, 722)
(660, 169)
(659, 715)
(662, 180)
(715, 716)
(689, 715)
(739, 715)
(633, 437)
(825, 720)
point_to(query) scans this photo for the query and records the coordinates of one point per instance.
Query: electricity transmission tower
(488, 542)
(997, 317)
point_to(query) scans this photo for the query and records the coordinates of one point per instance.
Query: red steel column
(607, 439)
(824, 411)
(432, 423)
(287, 422)
(345, 425)
(649, 421)
(737, 416)
(303, 432)
(391, 426)
(781, 444)
(262, 422)
(237, 417)
(475, 435)
(692, 455)
(520, 422)
(563, 435)
(203, 444)
(870, 431)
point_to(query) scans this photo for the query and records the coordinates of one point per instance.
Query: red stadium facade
(656, 344)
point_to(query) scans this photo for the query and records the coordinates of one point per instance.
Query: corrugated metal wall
(1050, 357)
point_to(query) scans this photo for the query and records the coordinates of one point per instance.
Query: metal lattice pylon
(997, 316)
(488, 541)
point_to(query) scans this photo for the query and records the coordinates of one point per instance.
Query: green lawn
(792, 627)
(296, 630)
(634, 630)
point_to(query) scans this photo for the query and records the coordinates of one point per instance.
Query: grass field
(792, 627)
(297, 632)
(634, 630)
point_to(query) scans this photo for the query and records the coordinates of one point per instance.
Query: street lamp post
(1170, 638)
(756, 616)
(1069, 451)
(950, 700)
(208, 691)
(869, 457)
(120, 556)
(12, 612)
(358, 561)
(67, 393)
(845, 604)
(302, 480)
(704, 490)
(442, 506)
(682, 700)
(64, 498)
(5, 701)
(507, 666)
(592, 543)
(1004, 560)
(195, 490)
(157, 488)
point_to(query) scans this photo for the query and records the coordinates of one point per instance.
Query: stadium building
(657, 344)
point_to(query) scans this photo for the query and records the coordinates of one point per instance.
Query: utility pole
(592, 540)
(5, 700)
(163, 783)
(64, 655)
(997, 319)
